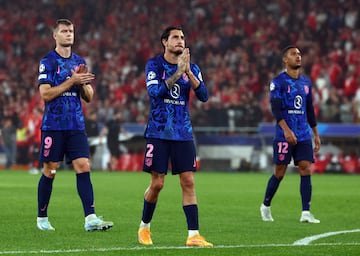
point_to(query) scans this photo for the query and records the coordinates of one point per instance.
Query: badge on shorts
(148, 161)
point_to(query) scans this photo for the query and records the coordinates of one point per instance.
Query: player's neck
(64, 52)
(171, 58)
(294, 73)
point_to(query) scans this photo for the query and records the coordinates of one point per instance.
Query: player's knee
(279, 176)
(49, 173)
(304, 168)
(187, 183)
(305, 172)
(81, 165)
(157, 186)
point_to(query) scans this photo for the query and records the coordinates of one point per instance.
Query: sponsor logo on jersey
(175, 91)
(298, 102)
(294, 111)
(174, 102)
(69, 94)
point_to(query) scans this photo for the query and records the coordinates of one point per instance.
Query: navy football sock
(148, 211)
(271, 189)
(191, 213)
(44, 193)
(305, 191)
(85, 191)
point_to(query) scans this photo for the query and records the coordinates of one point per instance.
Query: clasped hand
(184, 61)
(81, 75)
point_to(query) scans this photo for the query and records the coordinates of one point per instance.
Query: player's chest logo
(175, 91)
(298, 101)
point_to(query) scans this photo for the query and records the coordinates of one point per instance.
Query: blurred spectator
(34, 129)
(346, 112)
(236, 44)
(8, 140)
(112, 130)
(92, 130)
(22, 144)
(330, 109)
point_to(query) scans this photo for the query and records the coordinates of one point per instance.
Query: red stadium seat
(349, 164)
(130, 162)
(321, 162)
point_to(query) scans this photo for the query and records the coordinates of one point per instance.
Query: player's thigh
(52, 146)
(303, 151)
(183, 156)
(156, 156)
(282, 152)
(76, 146)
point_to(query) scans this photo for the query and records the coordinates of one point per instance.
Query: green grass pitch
(228, 208)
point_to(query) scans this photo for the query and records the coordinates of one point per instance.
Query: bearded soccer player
(292, 107)
(169, 136)
(63, 80)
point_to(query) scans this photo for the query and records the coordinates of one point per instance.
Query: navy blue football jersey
(294, 95)
(169, 116)
(64, 112)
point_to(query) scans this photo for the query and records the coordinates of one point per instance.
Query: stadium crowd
(236, 43)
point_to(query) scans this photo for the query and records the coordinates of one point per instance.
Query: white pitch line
(139, 248)
(309, 239)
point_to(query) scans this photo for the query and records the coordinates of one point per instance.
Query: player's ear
(163, 41)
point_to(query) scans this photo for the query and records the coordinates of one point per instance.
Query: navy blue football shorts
(158, 152)
(283, 152)
(57, 144)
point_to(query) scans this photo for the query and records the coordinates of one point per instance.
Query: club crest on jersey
(306, 89)
(185, 77)
(281, 157)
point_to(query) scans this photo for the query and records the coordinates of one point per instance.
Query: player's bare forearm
(193, 80)
(49, 93)
(317, 140)
(87, 92)
(288, 133)
(170, 82)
